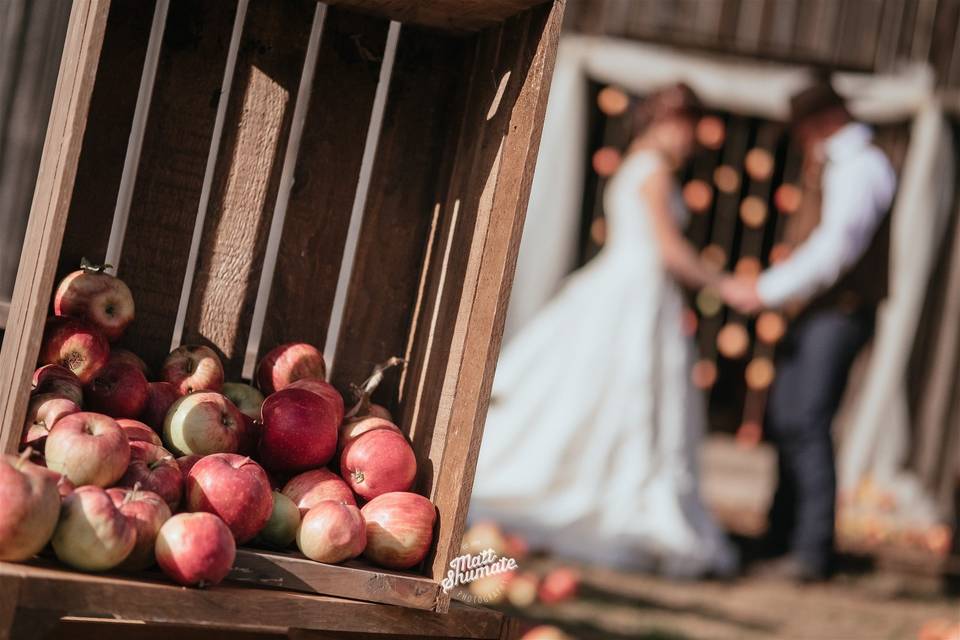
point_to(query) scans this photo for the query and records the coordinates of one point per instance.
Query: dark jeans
(811, 372)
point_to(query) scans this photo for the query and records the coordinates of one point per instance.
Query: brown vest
(862, 286)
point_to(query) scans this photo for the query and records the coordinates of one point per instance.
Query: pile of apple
(118, 470)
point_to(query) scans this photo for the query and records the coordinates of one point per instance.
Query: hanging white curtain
(877, 434)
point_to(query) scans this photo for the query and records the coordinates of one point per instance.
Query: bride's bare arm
(678, 255)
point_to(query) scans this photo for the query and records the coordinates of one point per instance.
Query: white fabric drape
(877, 433)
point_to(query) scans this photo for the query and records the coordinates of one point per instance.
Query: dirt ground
(853, 606)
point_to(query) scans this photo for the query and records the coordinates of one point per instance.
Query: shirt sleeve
(856, 197)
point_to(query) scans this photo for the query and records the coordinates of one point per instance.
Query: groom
(830, 286)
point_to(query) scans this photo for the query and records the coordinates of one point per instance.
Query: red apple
(119, 389)
(558, 585)
(160, 397)
(153, 468)
(195, 549)
(88, 448)
(42, 413)
(332, 532)
(186, 463)
(246, 398)
(137, 431)
(325, 390)
(233, 487)
(289, 363)
(75, 345)
(299, 431)
(52, 378)
(192, 368)
(203, 423)
(312, 487)
(98, 297)
(147, 512)
(356, 427)
(29, 506)
(379, 461)
(92, 534)
(124, 355)
(281, 528)
(399, 529)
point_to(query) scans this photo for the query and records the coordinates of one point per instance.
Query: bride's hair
(675, 100)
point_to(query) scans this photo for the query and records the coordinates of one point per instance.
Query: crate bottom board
(48, 593)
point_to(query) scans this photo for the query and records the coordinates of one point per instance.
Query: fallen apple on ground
(147, 512)
(52, 378)
(299, 431)
(43, 412)
(192, 368)
(377, 462)
(288, 363)
(119, 389)
(281, 528)
(233, 487)
(30, 507)
(332, 532)
(195, 549)
(399, 529)
(309, 488)
(203, 423)
(88, 448)
(153, 468)
(96, 296)
(75, 345)
(92, 534)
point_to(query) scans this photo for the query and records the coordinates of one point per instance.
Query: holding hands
(740, 293)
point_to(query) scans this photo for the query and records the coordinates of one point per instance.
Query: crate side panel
(406, 189)
(325, 179)
(247, 177)
(48, 213)
(173, 161)
(108, 130)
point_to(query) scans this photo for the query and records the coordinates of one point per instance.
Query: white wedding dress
(590, 448)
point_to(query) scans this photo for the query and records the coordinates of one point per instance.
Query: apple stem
(133, 494)
(24, 457)
(365, 390)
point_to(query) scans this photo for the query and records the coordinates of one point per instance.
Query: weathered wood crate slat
(263, 172)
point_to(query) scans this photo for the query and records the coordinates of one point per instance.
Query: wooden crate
(263, 171)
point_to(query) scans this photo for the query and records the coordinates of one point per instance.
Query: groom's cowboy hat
(818, 97)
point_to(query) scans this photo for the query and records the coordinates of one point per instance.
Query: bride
(590, 445)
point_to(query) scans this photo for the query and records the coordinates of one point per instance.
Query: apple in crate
(192, 368)
(246, 398)
(88, 448)
(75, 345)
(147, 512)
(96, 296)
(52, 378)
(160, 397)
(92, 534)
(129, 357)
(378, 462)
(233, 487)
(203, 423)
(309, 488)
(138, 432)
(299, 431)
(119, 389)
(281, 528)
(289, 363)
(325, 390)
(29, 506)
(195, 549)
(356, 427)
(153, 468)
(43, 412)
(332, 532)
(185, 463)
(399, 529)
(249, 436)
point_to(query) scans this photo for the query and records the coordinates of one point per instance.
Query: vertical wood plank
(888, 35)
(409, 176)
(247, 177)
(108, 130)
(325, 181)
(172, 165)
(48, 215)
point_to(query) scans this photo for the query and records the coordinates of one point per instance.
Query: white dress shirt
(858, 187)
